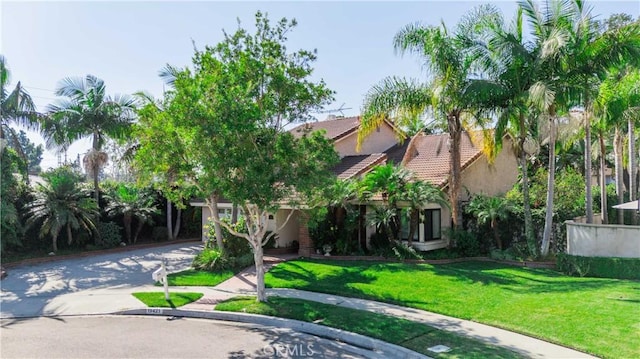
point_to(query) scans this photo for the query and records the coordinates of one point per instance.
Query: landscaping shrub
(212, 259)
(159, 234)
(466, 243)
(602, 267)
(110, 234)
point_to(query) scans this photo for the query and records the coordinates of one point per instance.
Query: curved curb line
(389, 350)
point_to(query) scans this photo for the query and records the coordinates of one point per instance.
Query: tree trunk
(528, 219)
(138, 230)
(169, 219)
(632, 165)
(548, 219)
(216, 221)
(69, 234)
(496, 235)
(54, 242)
(414, 221)
(604, 206)
(127, 226)
(587, 166)
(234, 214)
(617, 152)
(176, 228)
(455, 134)
(258, 258)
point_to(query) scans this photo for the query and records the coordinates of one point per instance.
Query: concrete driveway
(89, 285)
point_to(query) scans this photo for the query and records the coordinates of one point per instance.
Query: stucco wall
(378, 142)
(592, 240)
(289, 232)
(491, 179)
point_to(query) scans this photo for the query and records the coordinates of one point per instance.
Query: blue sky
(126, 43)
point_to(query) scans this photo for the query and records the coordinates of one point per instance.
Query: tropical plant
(16, 107)
(417, 194)
(59, 204)
(490, 210)
(131, 203)
(87, 111)
(447, 56)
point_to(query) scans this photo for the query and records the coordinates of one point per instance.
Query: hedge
(602, 267)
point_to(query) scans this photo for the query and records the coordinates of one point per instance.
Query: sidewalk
(244, 284)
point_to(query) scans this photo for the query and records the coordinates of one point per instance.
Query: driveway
(93, 284)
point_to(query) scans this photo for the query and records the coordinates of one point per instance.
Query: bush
(159, 234)
(466, 243)
(212, 259)
(602, 267)
(110, 234)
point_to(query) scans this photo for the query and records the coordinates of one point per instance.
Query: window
(432, 230)
(224, 213)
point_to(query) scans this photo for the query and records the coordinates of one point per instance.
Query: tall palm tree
(447, 56)
(87, 111)
(16, 107)
(508, 59)
(593, 53)
(131, 203)
(59, 204)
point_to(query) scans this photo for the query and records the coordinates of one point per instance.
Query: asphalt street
(159, 337)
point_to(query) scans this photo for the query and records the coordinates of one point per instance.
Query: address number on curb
(154, 311)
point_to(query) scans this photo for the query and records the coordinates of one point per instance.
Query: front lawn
(412, 335)
(199, 278)
(599, 316)
(176, 299)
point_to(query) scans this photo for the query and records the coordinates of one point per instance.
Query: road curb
(387, 349)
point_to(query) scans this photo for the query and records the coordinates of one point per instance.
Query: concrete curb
(386, 349)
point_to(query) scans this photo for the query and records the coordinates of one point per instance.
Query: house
(427, 156)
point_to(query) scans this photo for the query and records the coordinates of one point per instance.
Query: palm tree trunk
(548, 219)
(176, 228)
(96, 167)
(528, 219)
(138, 230)
(169, 219)
(455, 134)
(587, 166)
(604, 206)
(414, 221)
(496, 235)
(69, 234)
(54, 242)
(617, 153)
(632, 164)
(127, 226)
(234, 214)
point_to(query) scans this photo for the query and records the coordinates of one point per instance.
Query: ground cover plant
(199, 278)
(156, 299)
(403, 332)
(596, 315)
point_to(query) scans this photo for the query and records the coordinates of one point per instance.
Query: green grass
(599, 316)
(156, 299)
(198, 278)
(412, 335)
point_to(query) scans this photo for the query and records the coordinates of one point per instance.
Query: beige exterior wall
(592, 240)
(491, 179)
(378, 142)
(289, 232)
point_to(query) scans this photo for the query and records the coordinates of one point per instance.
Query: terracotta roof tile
(352, 166)
(336, 129)
(429, 157)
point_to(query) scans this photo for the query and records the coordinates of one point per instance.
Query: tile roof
(336, 129)
(352, 166)
(428, 156)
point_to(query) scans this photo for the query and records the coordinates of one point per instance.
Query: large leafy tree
(447, 57)
(59, 204)
(86, 111)
(227, 119)
(32, 153)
